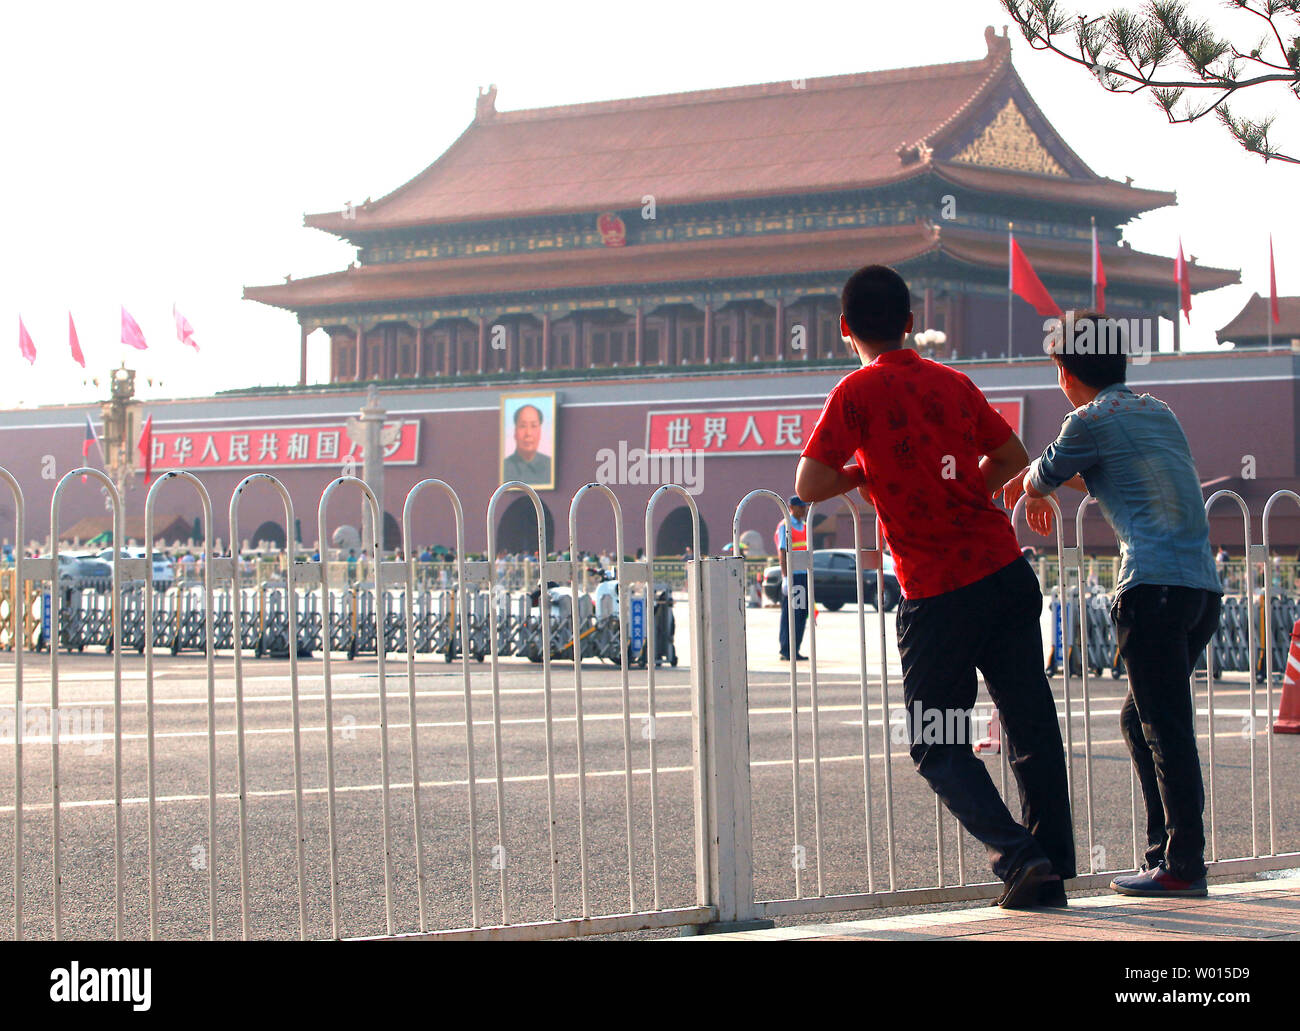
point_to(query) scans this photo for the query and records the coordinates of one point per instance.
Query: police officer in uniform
(789, 581)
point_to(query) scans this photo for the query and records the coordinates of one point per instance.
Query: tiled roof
(719, 258)
(1092, 194)
(784, 254)
(1124, 266)
(817, 135)
(1253, 320)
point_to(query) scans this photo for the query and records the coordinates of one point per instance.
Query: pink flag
(131, 335)
(74, 343)
(25, 345)
(184, 331)
(1184, 281)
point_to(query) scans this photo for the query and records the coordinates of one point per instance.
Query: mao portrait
(528, 439)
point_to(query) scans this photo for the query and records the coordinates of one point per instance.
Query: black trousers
(991, 625)
(799, 580)
(1161, 631)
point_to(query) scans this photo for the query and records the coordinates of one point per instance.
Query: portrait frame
(544, 402)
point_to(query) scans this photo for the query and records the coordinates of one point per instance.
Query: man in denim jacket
(1128, 451)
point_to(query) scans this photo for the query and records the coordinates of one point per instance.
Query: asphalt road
(833, 849)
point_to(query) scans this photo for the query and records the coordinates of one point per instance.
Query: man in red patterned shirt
(921, 443)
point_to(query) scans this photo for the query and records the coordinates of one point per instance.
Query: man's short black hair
(1093, 349)
(520, 411)
(876, 303)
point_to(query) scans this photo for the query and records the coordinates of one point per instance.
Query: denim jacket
(1134, 459)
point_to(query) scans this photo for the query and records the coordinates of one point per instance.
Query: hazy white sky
(165, 153)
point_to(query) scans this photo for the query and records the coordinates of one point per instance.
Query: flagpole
(1011, 230)
(1178, 304)
(1092, 260)
(1272, 279)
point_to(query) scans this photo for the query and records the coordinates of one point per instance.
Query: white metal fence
(711, 829)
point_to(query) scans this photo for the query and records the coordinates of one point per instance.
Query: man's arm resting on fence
(817, 481)
(998, 465)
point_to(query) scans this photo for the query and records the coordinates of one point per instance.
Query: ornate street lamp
(929, 340)
(121, 414)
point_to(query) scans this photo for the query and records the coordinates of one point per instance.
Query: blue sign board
(636, 632)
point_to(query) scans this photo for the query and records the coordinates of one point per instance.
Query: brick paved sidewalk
(1260, 910)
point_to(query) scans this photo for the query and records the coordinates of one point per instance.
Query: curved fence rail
(649, 798)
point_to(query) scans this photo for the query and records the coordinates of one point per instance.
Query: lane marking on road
(1241, 713)
(342, 727)
(482, 782)
(373, 696)
(395, 695)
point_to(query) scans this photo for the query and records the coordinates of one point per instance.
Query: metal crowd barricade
(240, 725)
(376, 523)
(795, 562)
(56, 603)
(408, 549)
(19, 616)
(624, 588)
(209, 658)
(1079, 514)
(1253, 554)
(876, 554)
(693, 587)
(548, 709)
(721, 800)
(1268, 671)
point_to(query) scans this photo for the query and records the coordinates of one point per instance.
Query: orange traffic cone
(1288, 713)
(993, 743)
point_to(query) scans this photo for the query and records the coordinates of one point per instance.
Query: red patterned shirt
(919, 429)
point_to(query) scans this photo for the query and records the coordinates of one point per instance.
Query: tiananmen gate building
(663, 274)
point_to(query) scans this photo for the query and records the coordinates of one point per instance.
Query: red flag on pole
(1026, 285)
(25, 346)
(184, 331)
(131, 335)
(90, 438)
(74, 343)
(1184, 281)
(1272, 283)
(145, 447)
(1098, 275)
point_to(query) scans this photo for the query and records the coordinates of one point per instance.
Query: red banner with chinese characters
(757, 431)
(277, 447)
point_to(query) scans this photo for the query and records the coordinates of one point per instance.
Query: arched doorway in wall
(392, 532)
(517, 527)
(674, 535)
(269, 531)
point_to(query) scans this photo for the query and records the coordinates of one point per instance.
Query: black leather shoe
(1022, 890)
(800, 658)
(1052, 893)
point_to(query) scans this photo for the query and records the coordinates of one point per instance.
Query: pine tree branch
(1127, 50)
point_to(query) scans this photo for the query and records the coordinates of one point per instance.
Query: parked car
(163, 573)
(81, 570)
(834, 583)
